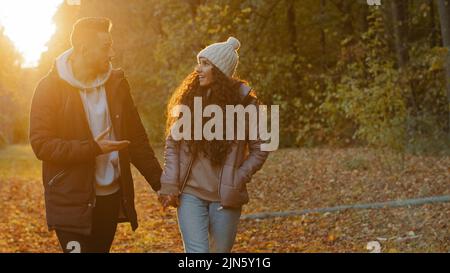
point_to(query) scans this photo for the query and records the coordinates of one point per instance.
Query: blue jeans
(205, 227)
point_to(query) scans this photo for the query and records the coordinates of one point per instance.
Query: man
(85, 128)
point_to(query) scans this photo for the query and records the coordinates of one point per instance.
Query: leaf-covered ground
(292, 179)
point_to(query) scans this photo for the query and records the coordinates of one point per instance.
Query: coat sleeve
(170, 176)
(141, 153)
(256, 157)
(45, 143)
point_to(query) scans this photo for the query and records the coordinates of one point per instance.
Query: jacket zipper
(187, 175)
(218, 190)
(94, 200)
(56, 177)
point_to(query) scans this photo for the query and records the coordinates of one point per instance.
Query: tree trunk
(292, 36)
(444, 13)
(323, 35)
(364, 11)
(433, 39)
(399, 18)
(291, 26)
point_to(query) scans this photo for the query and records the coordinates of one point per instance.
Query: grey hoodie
(95, 105)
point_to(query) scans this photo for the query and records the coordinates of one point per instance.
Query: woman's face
(204, 70)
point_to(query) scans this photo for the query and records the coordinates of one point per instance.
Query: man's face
(99, 53)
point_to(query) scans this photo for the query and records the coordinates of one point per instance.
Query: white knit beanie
(223, 55)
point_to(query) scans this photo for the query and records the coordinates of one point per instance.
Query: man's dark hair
(85, 29)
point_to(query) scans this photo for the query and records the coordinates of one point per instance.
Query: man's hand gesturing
(108, 146)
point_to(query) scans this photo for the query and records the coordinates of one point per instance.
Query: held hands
(108, 146)
(168, 200)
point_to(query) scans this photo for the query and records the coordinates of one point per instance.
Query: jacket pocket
(240, 179)
(233, 197)
(57, 178)
(73, 185)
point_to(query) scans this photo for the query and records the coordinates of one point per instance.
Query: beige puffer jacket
(243, 161)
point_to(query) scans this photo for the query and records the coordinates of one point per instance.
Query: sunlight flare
(29, 25)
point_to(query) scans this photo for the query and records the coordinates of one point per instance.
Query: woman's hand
(168, 200)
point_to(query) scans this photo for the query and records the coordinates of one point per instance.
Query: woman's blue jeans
(205, 226)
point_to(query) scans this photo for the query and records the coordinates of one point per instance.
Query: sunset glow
(28, 23)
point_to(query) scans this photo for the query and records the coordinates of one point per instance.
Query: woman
(206, 180)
